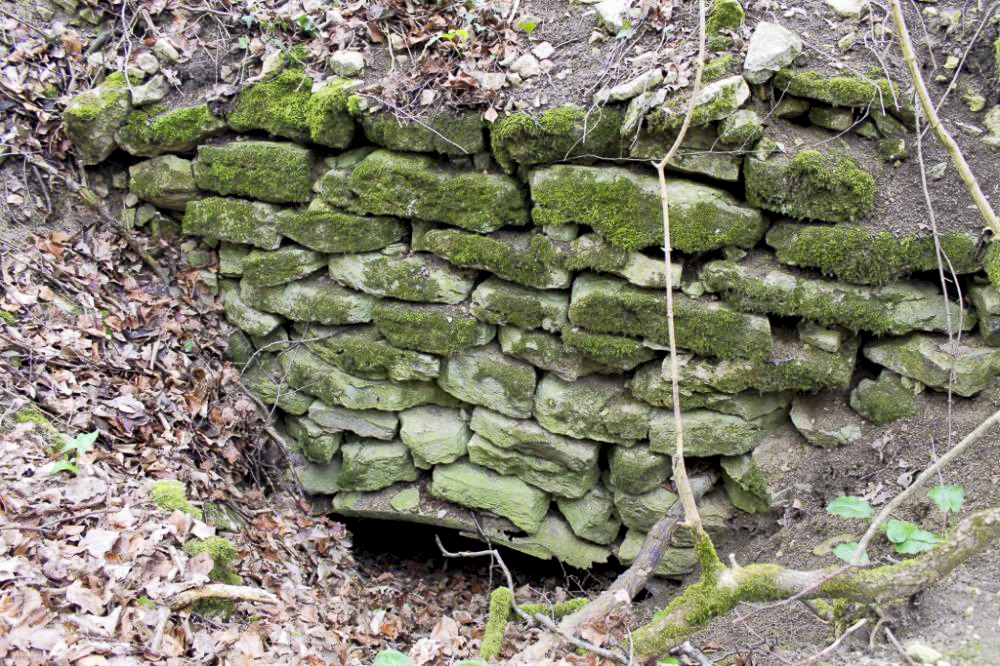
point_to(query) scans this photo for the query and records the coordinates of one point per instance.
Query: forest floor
(91, 342)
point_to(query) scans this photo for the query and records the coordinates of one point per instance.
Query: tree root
(222, 591)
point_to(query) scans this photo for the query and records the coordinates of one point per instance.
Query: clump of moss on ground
(223, 553)
(170, 495)
(725, 15)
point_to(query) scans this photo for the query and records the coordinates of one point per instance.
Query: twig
(899, 648)
(693, 653)
(691, 515)
(832, 647)
(957, 158)
(222, 591)
(930, 471)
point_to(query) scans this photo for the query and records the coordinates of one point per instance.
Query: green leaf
(668, 661)
(80, 444)
(846, 551)
(947, 498)
(909, 538)
(64, 466)
(849, 506)
(392, 658)
(898, 531)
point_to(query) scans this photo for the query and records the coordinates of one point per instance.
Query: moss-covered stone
(92, 118)
(884, 400)
(708, 433)
(546, 351)
(986, 298)
(332, 385)
(858, 255)
(991, 262)
(370, 423)
(248, 319)
(676, 562)
(325, 230)
(369, 464)
(412, 277)
(641, 511)
(485, 376)
(233, 220)
(529, 438)
(742, 129)
(556, 135)
(891, 150)
(718, 68)
(725, 15)
(434, 329)
(287, 264)
(606, 305)
(835, 120)
(529, 259)
(317, 299)
(447, 133)
(480, 488)
(222, 552)
(166, 181)
(434, 435)
(637, 469)
(759, 284)
(824, 419)
(745, 484)
(592, 517)
(264, 170)
(591, 251)
(360, 350)
(231, 256)
(931, 360)
(810, 185)
(715, 101)
(265, 379)
(699, 152)
(539, 472)
(319, 479)
(625, 208)
(609, 351)
(328, 116)
(842, 90)
(555, 539)
(415, 186)
(593, 407)
(503, 303)
(317, 444)
(278, 107)
(149, 134)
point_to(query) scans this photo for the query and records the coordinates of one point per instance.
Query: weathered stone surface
(886, 399)
(317, 444)
(525, 258)
(824, 419)
(741, 130)
(326, 230)
(233, 220)
(676, 562)
(496, 301)
(857, 255)
(593, 516)
(554, 538)
(405, 500)
(835, 120)
(696, 154)
(929, 360)
(360, 350)
(593, 407)
(640, 512)
(264, 170)
(175, 131)
(715, 101)
(91, 118)
(556, 135)
(710, 433)
(242, 315)
(231, 256)
(315, 298)
(434, 435)
(771, 47)
(608, 351)
(275, 341)
(546, 474)
(435, 329)
(485, 376)
(607, 305)
(852, 9)
(810, 185)
(593, 252)
(625, 208)
(447, 133)
(827, 339)
(745, 484)
(477, 487)
(368, 464)
(637, 469)
(287, 264)
(760, 284)
(411, 277)
(319, 479)
(545, 351)
(986, 298)
(715, 510)
(528, 437)
(334, 386)
(166, 182)
(651, 383)
(625, 91)
(364, 422)
(415, 186)
(266, 380)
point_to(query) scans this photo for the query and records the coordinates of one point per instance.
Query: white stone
(923, 654)
(347, 63)
(493, 81)
(771, 47)
(526, 66)
(164, 50)
(147, 62)
(633, 88)
(612, 14)
(853, 9)
(543, 50)
(427, 96)
(152, 91)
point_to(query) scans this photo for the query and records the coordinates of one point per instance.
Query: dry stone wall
(453, 318)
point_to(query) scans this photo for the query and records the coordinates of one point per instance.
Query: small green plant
(145, 602)
(306, 25)
(455, 36)
(71, 452)
(947, 498)
(908, 538)
(527, 25)
(849, 506)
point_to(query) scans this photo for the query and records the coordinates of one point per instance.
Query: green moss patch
(446, 133)
(361, 351)
(170, 495)
(149, 134)
(810, 185)
(264, 170)
(556, 135)
(233, 220)
(328, 117)
(610, 351)
(278, 107)
(335, 232)
(867, 257)
(498, 302)
(527, 259)
(841, 90)
(432, 329)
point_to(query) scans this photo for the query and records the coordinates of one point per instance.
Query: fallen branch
(222, 591)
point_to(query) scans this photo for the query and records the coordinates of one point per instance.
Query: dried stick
(222, 591)
(957, 158)
(691, 515)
